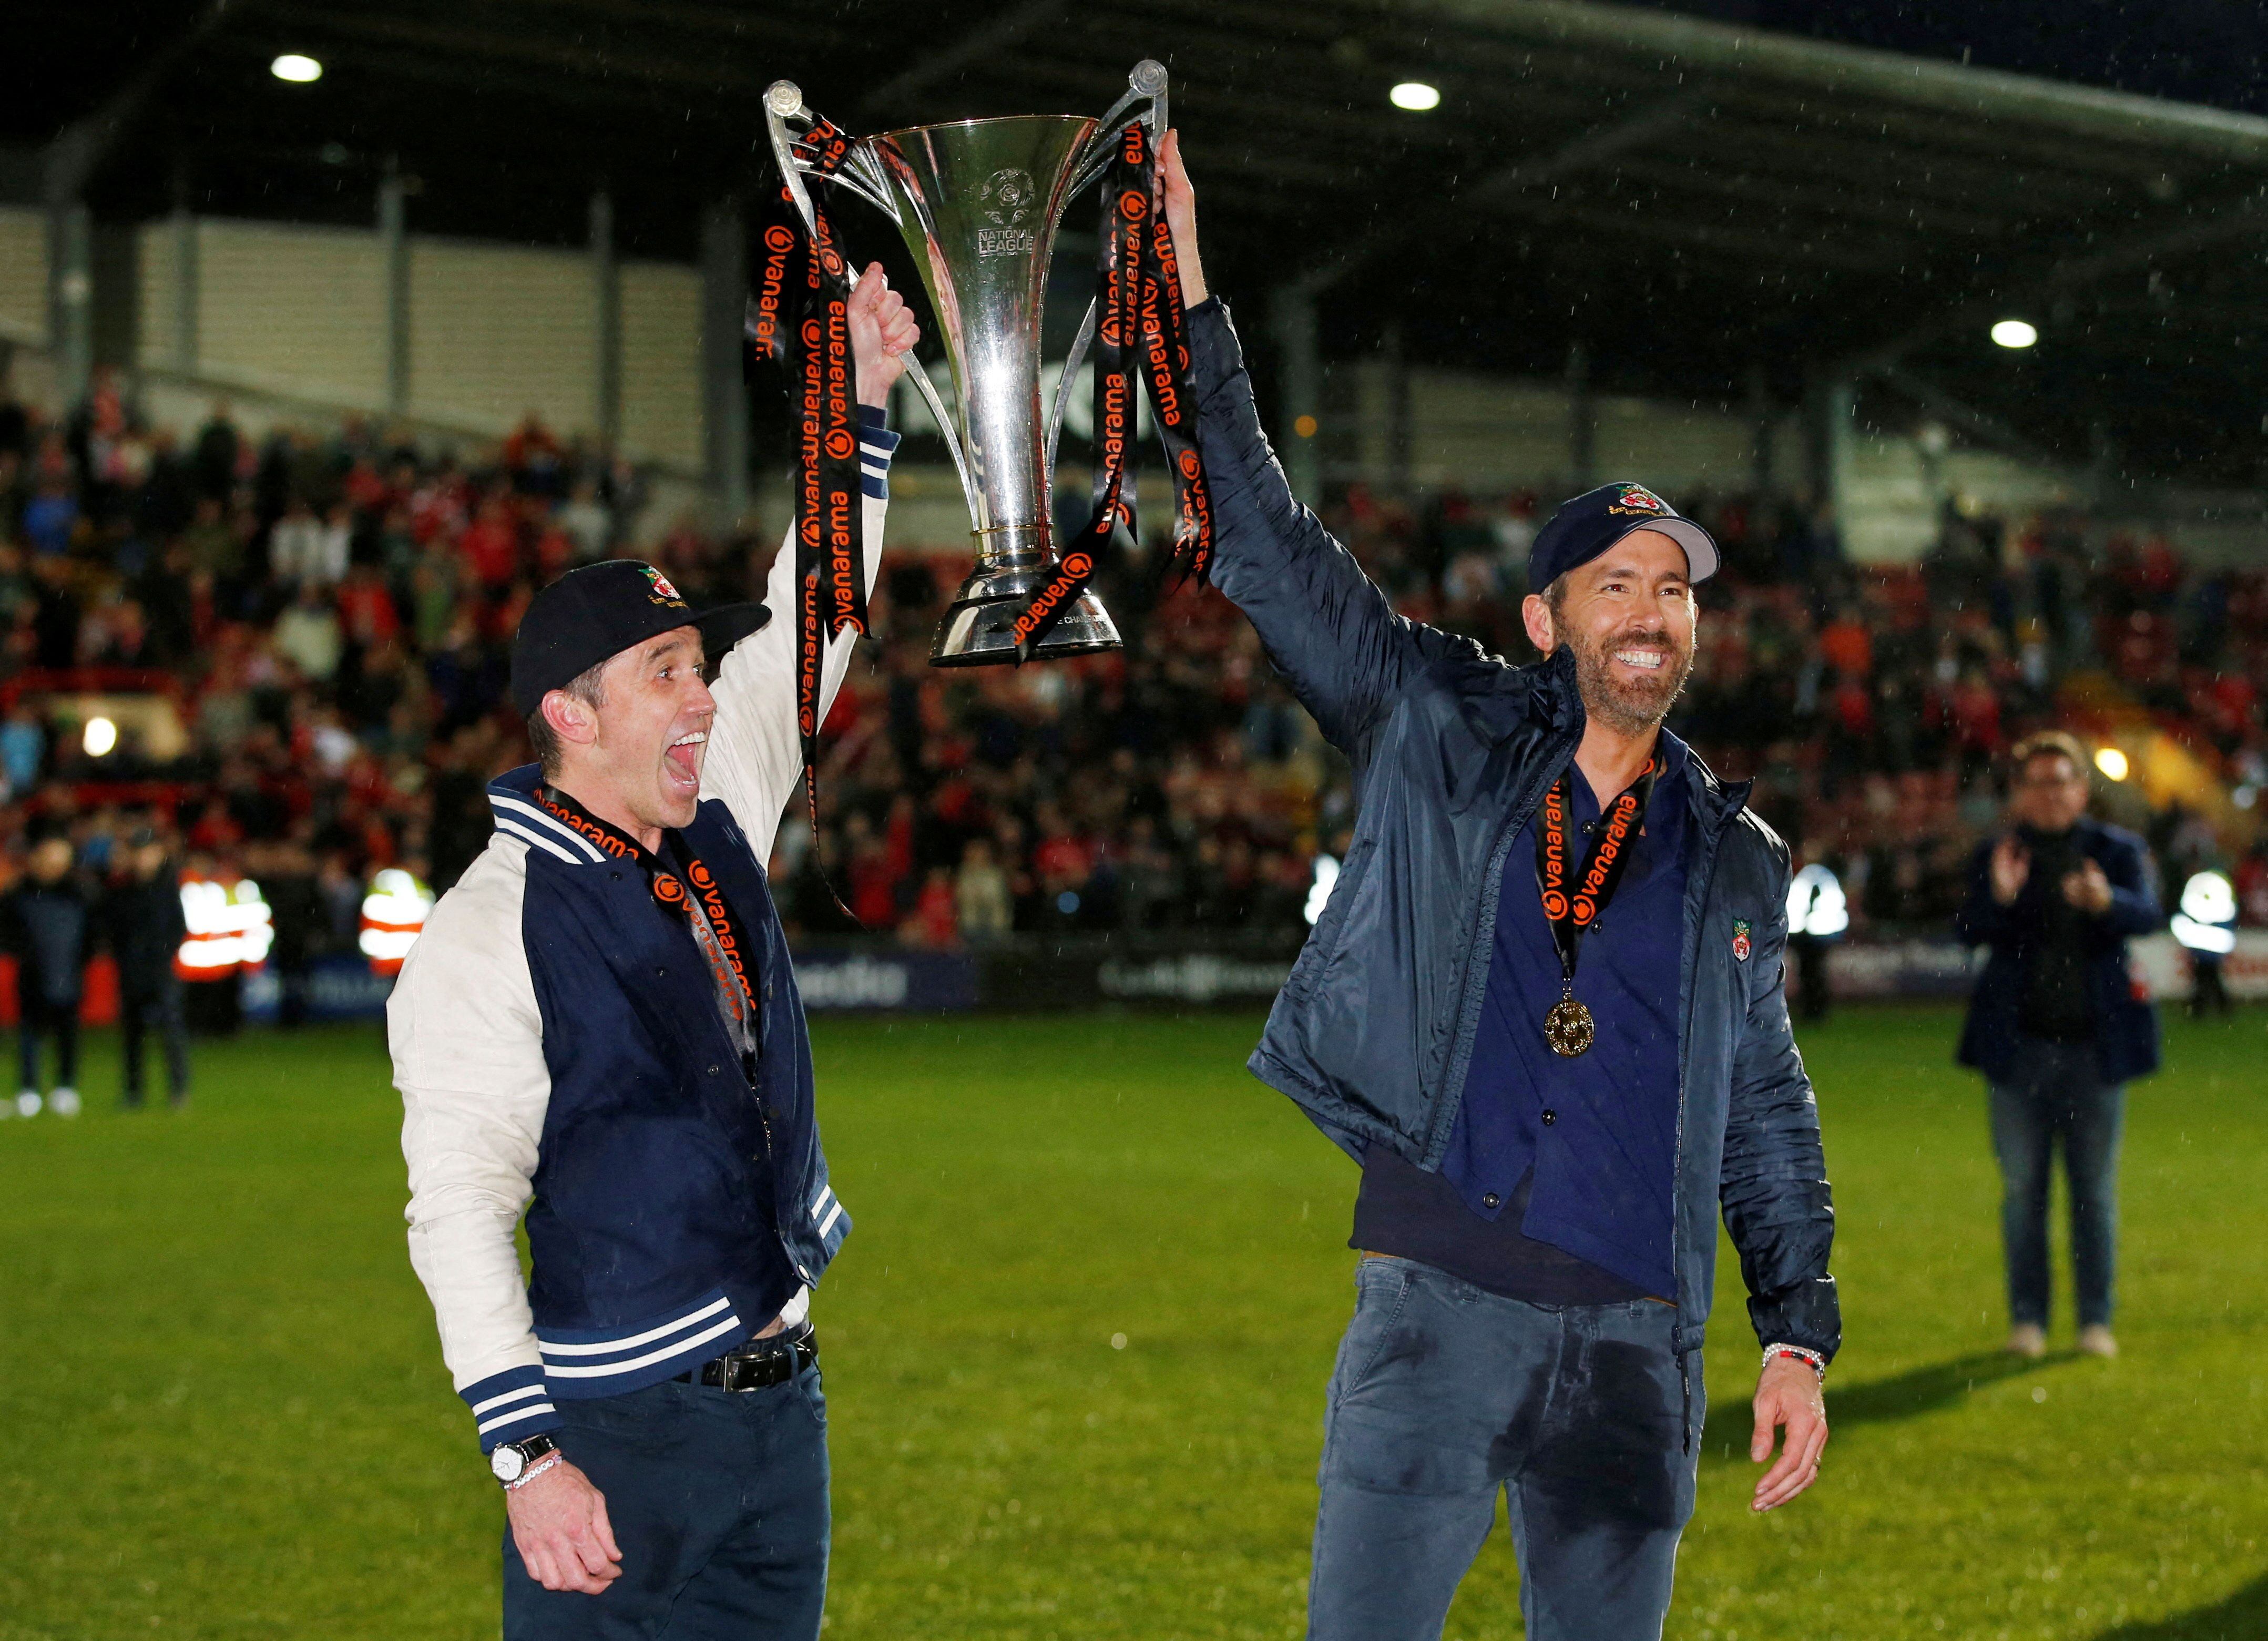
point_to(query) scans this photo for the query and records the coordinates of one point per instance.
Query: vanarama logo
(1069, 580)
(663, 592)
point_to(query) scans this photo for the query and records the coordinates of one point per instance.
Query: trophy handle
(861, 175)
(1072, 360)
(978, 512)
(1146, 84)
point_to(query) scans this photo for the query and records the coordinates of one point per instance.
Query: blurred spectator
(303, 549)
(2055, 1026)
(336, 608)
(980, 894)
(308, 633)
(44, 921)
(23, 746)
(144, 927)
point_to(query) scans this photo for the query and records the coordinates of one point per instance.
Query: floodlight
(300, 70)
(2015, 333)
(101, 736)
(1415, 96)
(2111, 761)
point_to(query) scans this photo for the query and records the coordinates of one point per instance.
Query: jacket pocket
(1322, 947)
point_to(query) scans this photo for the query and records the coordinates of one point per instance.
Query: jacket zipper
(1685, 1060)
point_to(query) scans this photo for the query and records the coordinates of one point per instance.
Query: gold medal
(1568, 1028)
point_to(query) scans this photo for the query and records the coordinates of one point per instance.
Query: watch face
(507, 1461)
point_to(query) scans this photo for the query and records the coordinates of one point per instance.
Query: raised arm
(755, 753)
(1327, 627)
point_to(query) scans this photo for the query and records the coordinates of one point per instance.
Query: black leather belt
(759, 1364)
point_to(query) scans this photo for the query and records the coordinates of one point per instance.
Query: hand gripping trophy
(977, 202)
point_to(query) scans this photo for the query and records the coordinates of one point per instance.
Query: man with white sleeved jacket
(600, 1026)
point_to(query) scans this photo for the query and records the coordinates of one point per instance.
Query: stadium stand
(328, 618)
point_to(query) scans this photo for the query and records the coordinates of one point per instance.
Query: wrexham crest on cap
(1637, 498)
(663, 592)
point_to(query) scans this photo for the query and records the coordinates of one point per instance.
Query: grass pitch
(1076, 1354)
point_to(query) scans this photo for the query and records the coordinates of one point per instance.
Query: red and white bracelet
(1796, 1353)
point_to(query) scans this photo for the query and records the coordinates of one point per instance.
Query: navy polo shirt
(1585, 1149)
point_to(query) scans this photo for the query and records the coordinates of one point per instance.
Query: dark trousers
(2059, 1098)
(1443, 1396)
(158, 1010)
(719, 1501)
(41, 1018)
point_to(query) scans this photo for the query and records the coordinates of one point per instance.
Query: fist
(882, 331)
(1181, 218)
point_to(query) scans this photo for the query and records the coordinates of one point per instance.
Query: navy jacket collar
(515, 799)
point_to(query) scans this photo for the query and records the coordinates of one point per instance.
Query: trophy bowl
(977, 203)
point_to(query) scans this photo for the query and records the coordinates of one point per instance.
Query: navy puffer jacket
(1453, 749)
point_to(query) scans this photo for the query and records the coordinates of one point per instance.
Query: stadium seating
(328, 617)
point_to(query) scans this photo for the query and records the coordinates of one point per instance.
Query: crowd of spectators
(330, 616)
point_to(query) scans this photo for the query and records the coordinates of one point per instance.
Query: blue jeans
(2061, 1096)
(718, 1502)
(1445, 1394)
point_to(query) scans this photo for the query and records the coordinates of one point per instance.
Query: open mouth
(1646, 660)
(684, 759)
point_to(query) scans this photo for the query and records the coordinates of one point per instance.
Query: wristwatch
(511, 1459)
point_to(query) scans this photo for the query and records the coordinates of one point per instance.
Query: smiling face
(634, 757)
(1628, 616)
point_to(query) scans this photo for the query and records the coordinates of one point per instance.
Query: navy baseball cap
(591, 613)
(1591, 523)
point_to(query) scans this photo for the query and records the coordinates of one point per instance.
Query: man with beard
(1544, 1012)
(600, 1026)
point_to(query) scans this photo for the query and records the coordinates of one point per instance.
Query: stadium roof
(1690, 201)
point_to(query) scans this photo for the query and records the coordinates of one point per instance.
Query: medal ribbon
(1141, 329)
(801, 320)
(1572, 906)
(722, 951)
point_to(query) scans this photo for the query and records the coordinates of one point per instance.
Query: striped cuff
(578, 1363)
(876, 443)
(510, 1406)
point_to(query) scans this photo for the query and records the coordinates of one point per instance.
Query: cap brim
(1701, 556)
(728, 624)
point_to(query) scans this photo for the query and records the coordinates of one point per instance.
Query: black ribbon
(1572, 906)
(801, 320)
(669, 888)
(1141, 330)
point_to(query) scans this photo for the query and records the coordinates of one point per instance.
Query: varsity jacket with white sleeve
(559, 1049)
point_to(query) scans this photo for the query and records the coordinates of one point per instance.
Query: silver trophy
(977, 202)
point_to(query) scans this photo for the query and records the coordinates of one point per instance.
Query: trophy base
(979, 629)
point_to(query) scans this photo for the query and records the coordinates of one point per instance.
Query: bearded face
(1629, 679)
(1628, 617)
